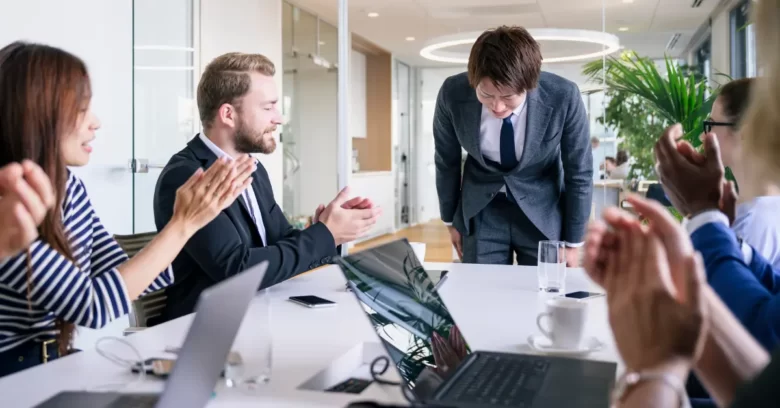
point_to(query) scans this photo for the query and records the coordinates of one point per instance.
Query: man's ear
(227, 115)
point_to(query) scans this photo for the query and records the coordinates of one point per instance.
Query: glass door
(309, 92)
(164, 106)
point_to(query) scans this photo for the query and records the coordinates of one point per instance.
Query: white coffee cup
(419, 250)
(566, 322)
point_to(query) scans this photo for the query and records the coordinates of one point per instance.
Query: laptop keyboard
(500, 380)
(135, 401)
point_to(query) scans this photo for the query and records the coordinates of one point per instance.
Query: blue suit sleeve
(764, 272)
(749, 292)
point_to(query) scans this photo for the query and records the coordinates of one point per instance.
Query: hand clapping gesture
(209, 192)
(26, 196)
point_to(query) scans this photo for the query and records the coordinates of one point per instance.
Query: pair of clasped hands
(658, 299)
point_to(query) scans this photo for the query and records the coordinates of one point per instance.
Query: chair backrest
(152, 304)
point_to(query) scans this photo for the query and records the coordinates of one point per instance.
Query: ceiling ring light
(435, 48)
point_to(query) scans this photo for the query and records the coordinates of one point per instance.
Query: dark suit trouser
(500, 232)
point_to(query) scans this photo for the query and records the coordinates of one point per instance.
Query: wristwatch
(629, 380)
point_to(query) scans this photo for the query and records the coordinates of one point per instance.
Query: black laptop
(433, 358)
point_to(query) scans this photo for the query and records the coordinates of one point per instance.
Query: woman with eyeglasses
(670, 315)
(756, 221)
(74, 273)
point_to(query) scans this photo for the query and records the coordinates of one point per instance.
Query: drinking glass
(250, 362)
(551, 267)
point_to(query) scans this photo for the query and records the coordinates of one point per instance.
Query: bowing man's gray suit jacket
(553, 182)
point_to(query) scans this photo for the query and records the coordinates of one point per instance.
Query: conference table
(495, 307)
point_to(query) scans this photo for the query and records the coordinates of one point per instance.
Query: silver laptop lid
(218, 316)
(405, 310)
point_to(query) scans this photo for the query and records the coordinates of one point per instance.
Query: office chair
(145, 309)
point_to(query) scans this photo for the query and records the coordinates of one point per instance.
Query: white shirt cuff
(702, 219)
(707, 217)
(747, 253)
(448, 224)
(575, 245)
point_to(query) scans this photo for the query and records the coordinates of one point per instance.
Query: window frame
(739, 21)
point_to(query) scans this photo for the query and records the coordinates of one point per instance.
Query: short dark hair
(736, 98)
(622, 157)
(610, 159)
(508, 56)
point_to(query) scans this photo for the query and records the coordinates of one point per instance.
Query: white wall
(72, 26)
(380, 187)
(721, 42)
(424, 170)
(251, 26)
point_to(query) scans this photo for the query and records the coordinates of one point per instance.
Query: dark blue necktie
(508, 152)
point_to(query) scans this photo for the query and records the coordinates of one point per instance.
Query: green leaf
(642, 102)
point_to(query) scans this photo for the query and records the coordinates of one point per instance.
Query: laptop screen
(407, 313)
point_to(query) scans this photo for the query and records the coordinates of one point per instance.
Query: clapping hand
(692, 181)
(348, 219)
(655, 321)
(207, 193)
(649, 271)
(358, 203)
(26, 196)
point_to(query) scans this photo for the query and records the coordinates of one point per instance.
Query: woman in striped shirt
(75, 273)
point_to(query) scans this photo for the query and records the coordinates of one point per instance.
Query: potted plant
(642, 102)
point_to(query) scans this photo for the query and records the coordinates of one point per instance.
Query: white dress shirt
(248, 195)
(490, 133)
(758, 223)
(715, 216)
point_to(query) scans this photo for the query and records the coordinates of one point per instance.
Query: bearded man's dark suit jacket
(231, 242)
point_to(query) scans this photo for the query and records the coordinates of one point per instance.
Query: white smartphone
(311, 301)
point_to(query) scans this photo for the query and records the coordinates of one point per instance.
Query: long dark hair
(42, 90)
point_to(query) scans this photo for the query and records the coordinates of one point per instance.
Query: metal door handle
(296, 164)
(142, 165)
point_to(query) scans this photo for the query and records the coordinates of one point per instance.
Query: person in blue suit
(745, 281)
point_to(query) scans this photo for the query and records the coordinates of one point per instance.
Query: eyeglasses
(709, 124)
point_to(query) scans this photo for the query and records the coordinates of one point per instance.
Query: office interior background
(145, 58)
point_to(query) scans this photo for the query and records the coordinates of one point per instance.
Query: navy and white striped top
(89, 293)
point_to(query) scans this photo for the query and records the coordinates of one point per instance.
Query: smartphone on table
(583, 295)
(312, 301)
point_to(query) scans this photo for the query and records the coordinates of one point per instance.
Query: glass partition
(164, 108)
(309, 106)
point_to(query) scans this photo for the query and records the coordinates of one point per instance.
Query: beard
(252, 141)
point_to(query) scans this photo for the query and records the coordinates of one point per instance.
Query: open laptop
(399, 298)
(218, 316)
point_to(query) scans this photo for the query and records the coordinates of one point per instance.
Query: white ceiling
(650, 23)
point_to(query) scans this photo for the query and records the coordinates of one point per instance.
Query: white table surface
(494, 306)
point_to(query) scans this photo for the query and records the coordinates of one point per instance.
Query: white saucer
(543, 345)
